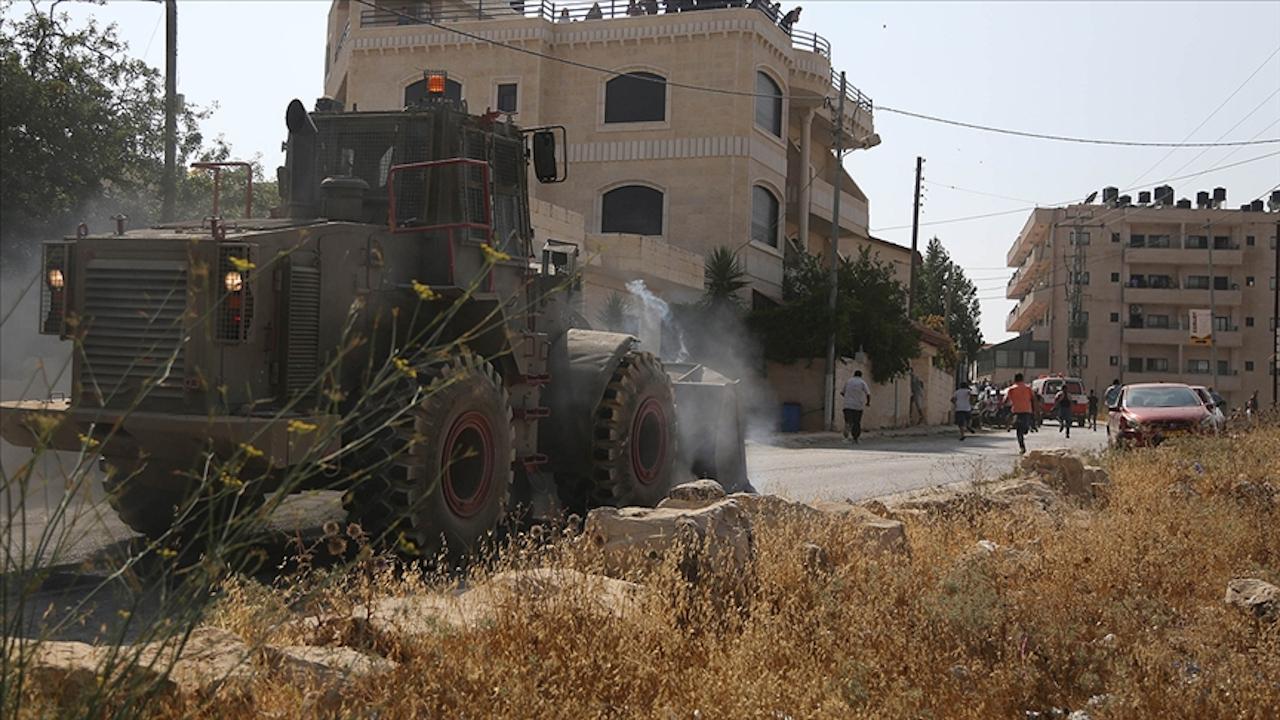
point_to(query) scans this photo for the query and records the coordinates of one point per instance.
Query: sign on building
(1201, 327)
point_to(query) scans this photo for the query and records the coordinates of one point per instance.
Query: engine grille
(303, 330)
(134, 311)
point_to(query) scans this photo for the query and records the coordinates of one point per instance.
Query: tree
(942, 289)
(723, 277)
(870, 315)
(613, 316)
(82, 132)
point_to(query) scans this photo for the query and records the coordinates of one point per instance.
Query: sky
(1140, 71)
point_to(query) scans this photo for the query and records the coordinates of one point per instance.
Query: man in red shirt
(1020, 399)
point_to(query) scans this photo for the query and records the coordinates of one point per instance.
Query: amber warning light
(436, 81)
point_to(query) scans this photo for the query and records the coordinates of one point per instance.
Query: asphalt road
(834, 469)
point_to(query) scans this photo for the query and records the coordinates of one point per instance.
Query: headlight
(233, 281)
(56, 281)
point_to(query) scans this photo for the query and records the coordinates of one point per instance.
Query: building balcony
(1180, 256)
(853, 210)
(1181, 296)
(1034, 233)
(1031, 308)
(1025, 277)
(1178, 336)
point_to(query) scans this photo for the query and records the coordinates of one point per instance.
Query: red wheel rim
(468, 464)
(649, 441)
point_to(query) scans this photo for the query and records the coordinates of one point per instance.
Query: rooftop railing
(411, 13)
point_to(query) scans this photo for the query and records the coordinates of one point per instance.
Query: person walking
(1093, 410)
(1062, 409)
(1113, 393)
(1019, 399)
(1251, 407)
(857, 396)
(963, 407)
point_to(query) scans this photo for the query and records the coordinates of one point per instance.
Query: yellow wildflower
(494, 256)
(424, 291)
(404, 367)
(251, 451)
(301, 427)
(241, 264)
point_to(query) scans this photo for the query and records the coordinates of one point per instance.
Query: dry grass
(1124, 601)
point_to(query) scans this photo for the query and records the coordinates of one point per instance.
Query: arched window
(635, 97)
(416, 92)
(768, 104)
(634, 209)
(764, 216)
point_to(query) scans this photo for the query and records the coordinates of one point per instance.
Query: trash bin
(791, 415)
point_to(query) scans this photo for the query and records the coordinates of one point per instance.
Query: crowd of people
(653, 7)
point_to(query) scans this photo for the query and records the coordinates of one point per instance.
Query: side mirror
(543, 145)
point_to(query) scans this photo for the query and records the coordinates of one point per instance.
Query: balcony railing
(412, 13)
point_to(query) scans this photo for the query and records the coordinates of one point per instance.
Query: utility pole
(170, 182)
(830, 380)
(1075, 327)
(915, 237)
(1213, 311)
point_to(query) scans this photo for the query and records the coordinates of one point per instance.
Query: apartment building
(1111, 288)
(660, 173)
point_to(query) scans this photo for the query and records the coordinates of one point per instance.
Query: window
(1248, 281)
(1221, 242)
(1248, 366)
(1158, 321)
(1135, 364)
(1157, 365)
(1157, 241)
(1249, 240)
(1115, 277)
(1222, 323)
(1196, 242)
(635, 97)
(768, 104)
(1224, 367)
(1029, 359)
(1197, 282)
(1137, 241)
(416, 92)
(1198, 367)
(1273, 283)
(1221, 282)
(764, 216)
(1115, 317)
(1160, 281)
(1115, 237)
(508, 96)
(634, 209)
(1079, 238)
(1002, 359)
(1080, 361)
(1248, 321)
(1114, 361)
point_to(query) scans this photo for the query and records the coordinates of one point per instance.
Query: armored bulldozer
(391, 333)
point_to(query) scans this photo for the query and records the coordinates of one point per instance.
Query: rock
(773, 511)
(950, 504)
(388, 622)
(309, 665)
(1063, 471)
(1079, 715)
(1258, 494)
(1261, 599)
(714, 539)
(880, 535)
(70, 672)
(693, 495)
(878, 508)
(207, 662)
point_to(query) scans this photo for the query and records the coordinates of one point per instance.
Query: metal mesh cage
(235, 307)
(55, 280)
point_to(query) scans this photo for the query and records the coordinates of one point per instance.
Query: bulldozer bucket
(712, 433)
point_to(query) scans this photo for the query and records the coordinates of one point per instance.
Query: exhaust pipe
(300, 166)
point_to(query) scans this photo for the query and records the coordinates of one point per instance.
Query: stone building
(660, 173)
(1111, 288)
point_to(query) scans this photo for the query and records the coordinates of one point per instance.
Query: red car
(1146, 415)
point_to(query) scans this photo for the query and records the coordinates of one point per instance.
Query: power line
(414, 20)
(980, 192)
(1068, 138)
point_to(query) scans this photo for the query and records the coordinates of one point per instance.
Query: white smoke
(655, 314)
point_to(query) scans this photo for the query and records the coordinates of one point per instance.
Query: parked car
(1213, 401)
(1046, 388)
(1150, 413)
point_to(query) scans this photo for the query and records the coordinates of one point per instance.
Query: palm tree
(723, 276)
(613, 316)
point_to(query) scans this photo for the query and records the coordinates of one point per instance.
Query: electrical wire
(414, 20)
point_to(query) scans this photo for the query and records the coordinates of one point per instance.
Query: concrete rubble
(1256, 597)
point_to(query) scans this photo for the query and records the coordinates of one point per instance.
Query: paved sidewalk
(827, 439)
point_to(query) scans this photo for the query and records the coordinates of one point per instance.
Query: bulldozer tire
(147, 497)
(634, 438)
(446, 468)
